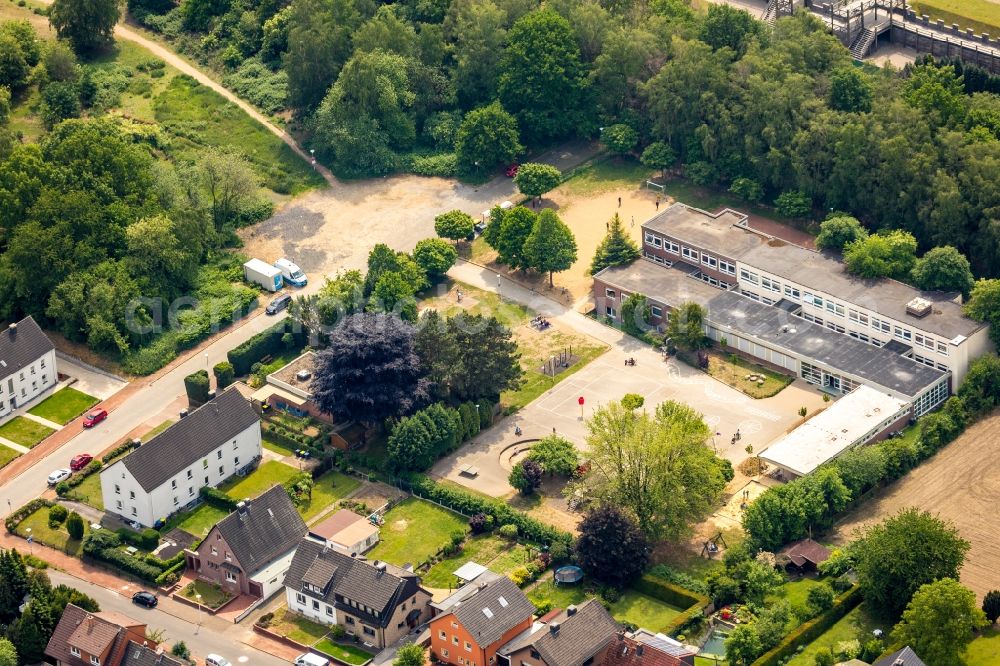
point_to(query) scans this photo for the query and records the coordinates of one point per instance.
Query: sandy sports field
(958, 484)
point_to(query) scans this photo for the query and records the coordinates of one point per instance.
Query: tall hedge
(694, 604)
(224, 374)
(197, 387)
(809, 631)
(265, 343)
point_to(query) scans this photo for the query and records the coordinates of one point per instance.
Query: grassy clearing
(634, 607)
(89, 492)
(297, 627)
(212, 596)
(265, 476)
(328, 488)
(37, 526)
(532, 358)
(482, 549)
(745, 376)
(980, 15)
(342, 652)
(796, 592)
(985, 649)
(607, 175)
(198, 521)
(64, 405)
(277, 447)
(24, 431)
(414, 530)
(855, 625)
(7, 454)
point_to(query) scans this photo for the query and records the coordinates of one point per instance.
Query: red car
(80, 461)
(512, 170)
(94, 417)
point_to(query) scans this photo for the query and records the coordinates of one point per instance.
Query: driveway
(608, 379)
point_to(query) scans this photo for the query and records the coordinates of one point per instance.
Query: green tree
(944, 269)
(224, 374)
(410, 654)
(515, 227)
(27, 38)
(4, 106)
(984, 305)
(850, 90)
(525, 476)
(937, 90)
(632, 401)
(991, 606)
(478, 32)
(896, 557)
(60, 62)
(556, 455)
(230, 182)
(87, 24)
(388, 32)
(489, 361)
(620, 139)
(616, 249)
(454, 225)
(636, 314)
(686, 326)
(939, 621)
(60, 100)
(658, 155)
(435, 256)
(180, 649)
(13, 584)
(980, 390)
(410, 446)
(29, 636)
(14, 68)
(726, 26)
(534, 180)
(820, 598)
(156, 253)
(743, 645)
(8, 653)
(888, 254)
(836, 232)
(793, 204)
(748, 189)
(542, 80)
(394, 294)
(655, 465)
(487, 138)
(612, 548)
(319, 43)
(550, 246)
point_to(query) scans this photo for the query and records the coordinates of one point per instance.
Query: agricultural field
(957, 484)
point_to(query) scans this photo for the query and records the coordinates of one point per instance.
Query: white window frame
(656, 310)
(727, 267)
(709, 260)
(610, 293)
(793, 293)
(746, 275)
(688, 253)
(671, 247)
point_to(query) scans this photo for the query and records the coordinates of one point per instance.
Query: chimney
(380, 567)
(554, 628)
(211, 395)
(13, 329)
(570, 611)
(183, 413)
(241, 506)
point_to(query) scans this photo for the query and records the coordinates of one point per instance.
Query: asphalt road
(213, 636)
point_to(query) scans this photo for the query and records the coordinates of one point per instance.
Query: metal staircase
(863, 43)
(770, 14)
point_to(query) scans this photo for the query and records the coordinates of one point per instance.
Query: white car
(216, 660)
(59, 475)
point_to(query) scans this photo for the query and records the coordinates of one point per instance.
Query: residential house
(479, 619)
(347, 531)
(287, 389)
(27, 365)
(82, 638)
(219, 439)
(249, 551)
(577, 636)
(803, 555)
(377, 602)
(797, 308)
(644, 648)
(904, 657)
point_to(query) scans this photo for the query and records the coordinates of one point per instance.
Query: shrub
(265, 343)
(444, 166)
(809, 631)
(74, 525)
(508, 532)
(180, 648)
(820, 598)
(224, 374)
(217, 498)
(543, 606)
(255, 81)
(13, 520)
(197, 387)
(57, 515)
(117, 451)
(148, 539)
(793, 204)
(480, 523)
(520, 576)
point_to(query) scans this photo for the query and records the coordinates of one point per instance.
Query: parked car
(143, 598)
(511, 171)
(216, 660)
(310, 659)
(94, 417)
(291, 273)
(59, 475)
(80, 461)
(278, 304)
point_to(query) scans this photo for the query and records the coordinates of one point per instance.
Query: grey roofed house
(140, 655)
(194, 436)
(334, 577)
(21, 345)
(773, 326)
(470, 588)
(263, 528)
(494, 608)
(904, 657)
(570, 638)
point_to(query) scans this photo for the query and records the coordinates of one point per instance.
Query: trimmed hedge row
(809, 631)
(63, 487)
(217, 498)
(263, 344)
(117, 451)
(16, 518)
(175, 570)
(503, 514)
(148, 539)
(675, 595)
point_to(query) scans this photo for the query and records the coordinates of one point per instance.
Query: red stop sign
(580, 400)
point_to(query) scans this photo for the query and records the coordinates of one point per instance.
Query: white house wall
(272, 577)
(19, 388)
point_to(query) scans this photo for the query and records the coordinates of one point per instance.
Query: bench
(469, 470)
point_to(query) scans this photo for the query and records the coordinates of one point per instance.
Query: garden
(320, 637)
(628, 606)
(24, 431)
(750, 378)
(6, 455)
(64, 405)
(414, 530)
(208, 595)
(493, 552)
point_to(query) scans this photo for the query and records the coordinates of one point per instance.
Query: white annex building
(860, 417)
(27, 365)
(164, 475)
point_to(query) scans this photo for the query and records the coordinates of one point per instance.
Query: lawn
(24, 431)
(212, 596)
(157, 430)
(795, 592)
(345, 653)
(481, 550)
(277, 447)
(980, 15)
(855, 625)
(64, 405)
(635, 607)
(89, 492)
(198, 521)
(297, 627)
(984, 650)
(414, 530)
(6, 455)
(328, 488)
(745, 376)
(265, 476)
(606, 175)
(38, 523)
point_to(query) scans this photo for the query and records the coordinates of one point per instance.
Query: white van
(310, 659)
(291, 272)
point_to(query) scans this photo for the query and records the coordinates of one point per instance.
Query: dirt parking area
(959, 484)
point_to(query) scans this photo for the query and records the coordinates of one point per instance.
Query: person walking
(619, 202)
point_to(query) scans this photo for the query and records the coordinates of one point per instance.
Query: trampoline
(568, 574)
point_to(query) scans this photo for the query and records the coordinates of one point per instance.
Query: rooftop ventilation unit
(488, 613)
(919, 307)
(303, 375)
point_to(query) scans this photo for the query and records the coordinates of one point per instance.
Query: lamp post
(499, 294)
(198, 628)
(312, 154)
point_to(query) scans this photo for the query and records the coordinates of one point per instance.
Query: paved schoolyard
(607, 379)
